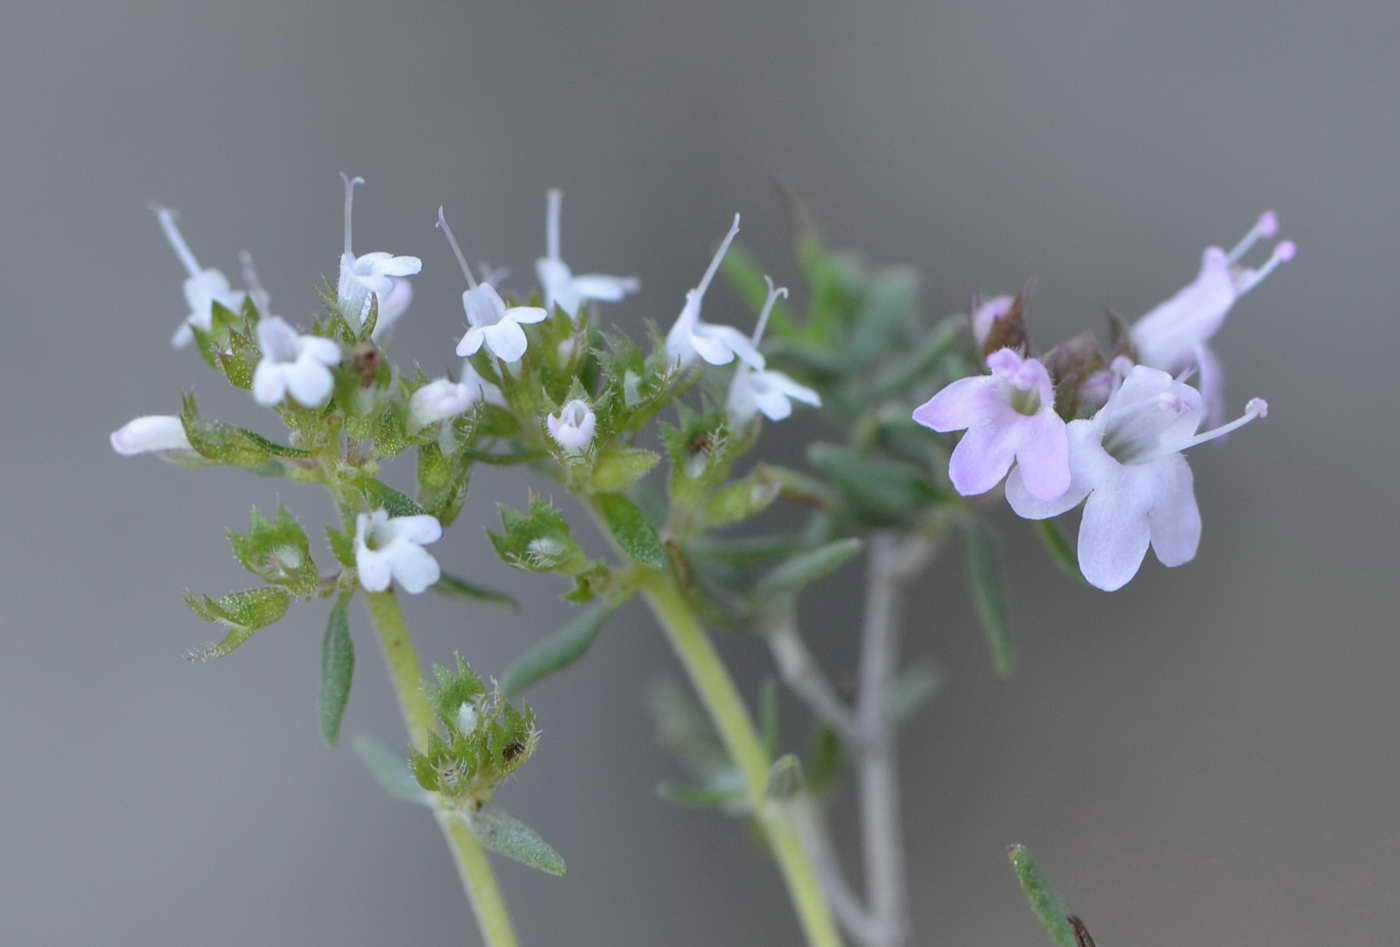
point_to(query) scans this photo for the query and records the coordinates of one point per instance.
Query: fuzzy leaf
(1044, 901)
(555, 652)
(883, 491)
(393, 502)
(982, 563)
(241, 612)
(337, 670)
(506, 835)
(342, 546)
(389, 770)
(451, 586)
(277, 552)
(619, 468)
(742, 499)
(632, 530)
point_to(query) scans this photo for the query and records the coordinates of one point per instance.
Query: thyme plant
(656, 442)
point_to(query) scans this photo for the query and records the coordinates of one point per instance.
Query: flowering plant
(545, 385)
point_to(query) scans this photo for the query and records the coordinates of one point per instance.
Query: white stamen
(718, 257)
(456, 250)
(250, 279)
(349, 205)
(1256, 408)
(1265, 227)
(773, 295)
(1284, 252)
(166, 216)
(553, 199)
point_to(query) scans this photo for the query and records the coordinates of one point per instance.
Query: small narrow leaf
(390, 771)
(982, 562)
(1045, 902)
(701, 797)
(632, 530)
(557, 651)
(807, 567)
(450, 586)
(909, 690)
(1059, 548)
(506, 835)
(337, 670)
(785, 778)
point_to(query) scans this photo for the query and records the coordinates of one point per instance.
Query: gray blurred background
(1208, 757)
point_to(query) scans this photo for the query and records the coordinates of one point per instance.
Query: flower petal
(1175, 519)
(374, 568)
(483, 306)
(269, 385)
(1113, 535)
(527, 315)
(325, 351)
(505, 339)
(960, 404)
(982, 458)
(608, 289)
(471, 342)
(310, 382)
(414, 567)
(1089, 465)
(421, 529)
(1043, 455)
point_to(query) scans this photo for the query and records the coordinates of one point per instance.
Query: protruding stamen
(1284, 252)
(456, 250)
(249, 273)
(768, 303)
(349, 205)
(1256, 408)
(1264, 228)
(553, 199)
(166, 216)
(719, 256)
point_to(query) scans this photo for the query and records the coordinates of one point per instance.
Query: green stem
(726, 708)
(488, 904)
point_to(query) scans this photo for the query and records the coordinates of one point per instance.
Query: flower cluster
(1074, 427)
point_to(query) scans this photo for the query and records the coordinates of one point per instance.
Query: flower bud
(439, 400)
(150, 433)
(573, 427)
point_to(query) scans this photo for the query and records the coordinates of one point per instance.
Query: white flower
(392, 548)
(489, 321)
(292, 363)
(690, 338)
(439, 400)
(769, 392)
(202, 288)
(573, 427)
(150, 433)
(1126, 462)
(375, 274)
(1174, 335)
(561, 286)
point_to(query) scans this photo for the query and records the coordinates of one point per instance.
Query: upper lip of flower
(716, 344)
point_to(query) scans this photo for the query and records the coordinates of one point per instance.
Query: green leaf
(632, 530)
(393, 502)
(982, 563)
(337, 670)
(389, 770)
(442, 482)
(742, 499)
(827, 755)
(226, 444)
(538, 540)
(342, 546)
(784, 778)
(277, 552)
(242, 613)
(555, 652)
(886, 309)
(1059, 549)
(1044, 901)
(910, 689)
(806, 567)
(702, 797)
(883, 491)
(450, 586)
(506, 835)
(618, 469)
